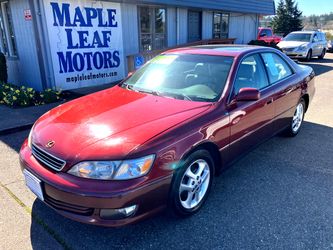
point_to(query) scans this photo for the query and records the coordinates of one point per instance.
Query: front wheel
(192, 183)
(297, 120)
(309, 56)
(322, 55)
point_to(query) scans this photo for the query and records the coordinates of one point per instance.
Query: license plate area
(34, 184)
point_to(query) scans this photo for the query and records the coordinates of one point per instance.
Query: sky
(316, 7)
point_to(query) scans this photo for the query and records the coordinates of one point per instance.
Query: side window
(276, 67)
(269, 33)
(315, 38)
(263, 33)
(251, 74)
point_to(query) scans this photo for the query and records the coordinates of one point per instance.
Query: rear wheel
(192, 183)
(297, 120)
(309, 55)
(322, 55)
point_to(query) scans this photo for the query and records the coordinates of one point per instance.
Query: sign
(27, 15)
(86, 42)
(139, 60)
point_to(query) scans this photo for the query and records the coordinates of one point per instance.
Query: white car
(304, 44)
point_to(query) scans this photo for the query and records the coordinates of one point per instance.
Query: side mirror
(248, 94)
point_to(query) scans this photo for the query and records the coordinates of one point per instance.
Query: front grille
(59, 205)
(47, 159)
(288, 49)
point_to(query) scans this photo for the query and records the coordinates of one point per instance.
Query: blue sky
(314, 6)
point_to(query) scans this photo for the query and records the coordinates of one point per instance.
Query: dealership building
(79, 43)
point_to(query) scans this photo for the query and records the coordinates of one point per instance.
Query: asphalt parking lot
(278, 197)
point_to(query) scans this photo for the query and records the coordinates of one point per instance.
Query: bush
(49, 96)
(3, 68)
(264, 44)
(15, 96)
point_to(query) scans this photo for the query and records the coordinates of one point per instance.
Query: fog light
(118, 214)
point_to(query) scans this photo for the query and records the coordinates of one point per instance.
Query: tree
(288, 18)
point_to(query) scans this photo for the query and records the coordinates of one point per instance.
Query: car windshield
(183, 76)
(298, 37)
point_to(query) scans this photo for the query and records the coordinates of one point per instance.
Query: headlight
(30, 137)
(113, 170)
(303, 47)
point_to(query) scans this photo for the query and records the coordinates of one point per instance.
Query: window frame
(10, 49)
(221, 18)
(261, 61)
(231, 95)
(266, 70)
(153, 28)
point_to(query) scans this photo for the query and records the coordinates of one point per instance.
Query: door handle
(269, 101)
(237, 119)
(288, 91)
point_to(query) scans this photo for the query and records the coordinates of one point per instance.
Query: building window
(7, 37)
(221, 25)
(152, 28)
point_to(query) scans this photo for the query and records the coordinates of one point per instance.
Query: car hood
(291, 44)
(109, 124)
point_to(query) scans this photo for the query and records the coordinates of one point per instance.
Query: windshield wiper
(158, 93)
(178, 95)
(148, 91)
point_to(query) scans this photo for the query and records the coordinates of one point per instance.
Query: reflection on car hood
(291, 44)
(116, 120)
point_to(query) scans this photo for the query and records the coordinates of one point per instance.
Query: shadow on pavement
(278, 196)
(319, 68)
(15, 140)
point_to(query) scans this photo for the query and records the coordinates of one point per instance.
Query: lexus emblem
(50, 144)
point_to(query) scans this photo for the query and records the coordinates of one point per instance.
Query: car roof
(305, 32)
(219, 50)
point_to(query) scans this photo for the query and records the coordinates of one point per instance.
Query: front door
(316, 45)
(194, 26)
(251, 122)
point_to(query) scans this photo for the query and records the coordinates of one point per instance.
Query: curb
(19, 128)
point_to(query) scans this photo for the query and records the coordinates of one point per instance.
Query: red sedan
(158, 139)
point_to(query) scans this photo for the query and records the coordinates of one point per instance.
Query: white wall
(25, 69)
(182, 23)
(129, 15)
(207, 25)
(172, 27)
(243, 27)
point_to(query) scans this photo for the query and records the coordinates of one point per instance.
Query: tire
(322, 55)
(297, 120)
(309, 56)
(188, 194)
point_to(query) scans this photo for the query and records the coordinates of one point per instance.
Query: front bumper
(295, 53)
(82, 200)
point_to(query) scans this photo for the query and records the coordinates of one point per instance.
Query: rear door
(286, 86)
(250, 121)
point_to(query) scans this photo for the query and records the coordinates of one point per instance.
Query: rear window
(277, 68)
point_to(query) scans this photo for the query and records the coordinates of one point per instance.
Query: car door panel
(286, 98)
(250, 123)
(286, 92)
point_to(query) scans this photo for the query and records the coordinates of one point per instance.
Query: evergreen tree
(288, 18)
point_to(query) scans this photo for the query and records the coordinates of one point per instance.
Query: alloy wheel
(194, 184)
(298, 118)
